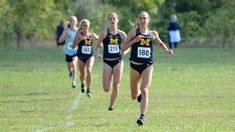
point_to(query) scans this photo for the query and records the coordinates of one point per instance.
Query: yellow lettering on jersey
(113, 41)
(87, 42)
(144, 42)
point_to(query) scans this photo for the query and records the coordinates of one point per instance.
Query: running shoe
(88, 93)
(140, 121)
(82, 88)
(73, 85)
(70, 74)
(110, 109)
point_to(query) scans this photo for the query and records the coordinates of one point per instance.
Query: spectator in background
(174, 32)
(59, 31)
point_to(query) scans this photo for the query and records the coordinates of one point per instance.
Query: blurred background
(32, 23)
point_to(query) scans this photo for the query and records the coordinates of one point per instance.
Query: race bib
(70, 44)
(113, 49)
(86, 49)
(143, 52)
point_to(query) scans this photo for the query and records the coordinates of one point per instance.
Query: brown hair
(113, 13)
(136, 24)
(144, 12)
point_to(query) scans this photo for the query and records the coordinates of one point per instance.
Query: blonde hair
(173, 18)
(134, 24)
(83, 21)
(72, 17)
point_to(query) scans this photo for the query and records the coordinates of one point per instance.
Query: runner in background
(84, 41)
(110, 39)
(70, 54)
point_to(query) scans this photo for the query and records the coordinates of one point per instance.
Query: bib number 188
(143, 52)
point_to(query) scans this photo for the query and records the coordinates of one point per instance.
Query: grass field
(192, 91)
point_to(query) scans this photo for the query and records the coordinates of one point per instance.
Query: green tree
(199, 18)
(37, 19)
(29, 19)
(222, 28)
(5, 22)
(91, 10)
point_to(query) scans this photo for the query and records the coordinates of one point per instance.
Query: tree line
(205, 22)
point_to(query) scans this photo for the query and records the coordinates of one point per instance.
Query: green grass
(194, 90)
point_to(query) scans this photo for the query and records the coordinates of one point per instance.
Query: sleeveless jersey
(69, 43)
(85, 47)
(142, 51)
(112, 46)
